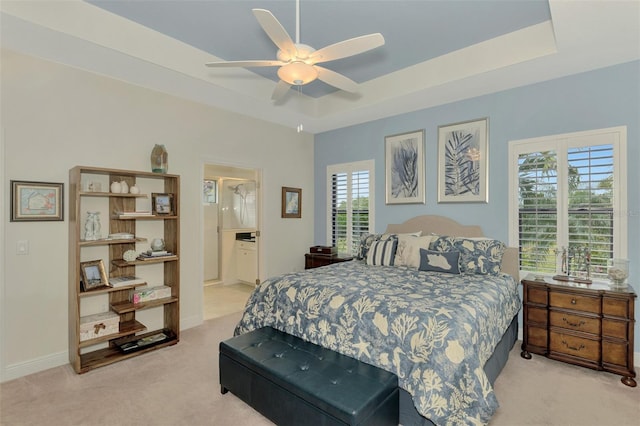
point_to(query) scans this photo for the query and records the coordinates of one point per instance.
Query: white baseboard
(36, 365)
(190, 322)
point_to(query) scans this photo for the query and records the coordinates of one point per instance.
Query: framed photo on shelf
(463, 158)
(36, 201)
(404, 168)
(291, 202)
(162, 204)
(93, 275)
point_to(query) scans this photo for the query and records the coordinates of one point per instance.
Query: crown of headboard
(441, 225)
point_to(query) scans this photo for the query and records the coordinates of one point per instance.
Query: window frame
(349, 168)
(561, 143)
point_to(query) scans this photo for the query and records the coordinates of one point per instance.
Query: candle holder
(575, 264)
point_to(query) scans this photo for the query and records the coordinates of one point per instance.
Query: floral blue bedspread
(434, 330)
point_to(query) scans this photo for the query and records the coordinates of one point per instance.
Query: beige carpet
(179, 386)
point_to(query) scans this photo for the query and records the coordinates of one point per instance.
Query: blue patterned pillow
(365, 242)
(382, 252)
(440, 261)
(482, 256)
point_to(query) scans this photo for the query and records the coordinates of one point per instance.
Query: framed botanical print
(404, 168)
(463, 158)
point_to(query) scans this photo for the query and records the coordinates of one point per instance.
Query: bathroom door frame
(259, 216)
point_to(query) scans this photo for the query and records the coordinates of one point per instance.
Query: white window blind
(569, 194)
(351, 203)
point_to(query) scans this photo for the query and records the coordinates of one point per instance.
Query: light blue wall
(598, 99)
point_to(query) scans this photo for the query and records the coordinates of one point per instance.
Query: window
(350, 203)
(568, 192)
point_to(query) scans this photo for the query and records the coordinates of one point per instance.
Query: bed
(446, 335)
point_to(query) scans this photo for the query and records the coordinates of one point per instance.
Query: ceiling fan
(298, 62)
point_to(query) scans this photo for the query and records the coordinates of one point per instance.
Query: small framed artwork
(93, 275)
(291, 202)
(36, 201)
(404, 168)
(463, 158)
(209, 191)
(162, 204)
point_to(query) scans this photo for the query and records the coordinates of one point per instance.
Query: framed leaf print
(404, 168)
(463, 158)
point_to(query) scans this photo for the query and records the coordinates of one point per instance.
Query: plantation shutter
(590, 192)
(567, 196)
(538, 210)
(350, 214)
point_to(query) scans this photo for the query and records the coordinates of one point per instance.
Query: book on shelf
(125, 281)
(146, 256)
(156, 253)
(121, 236)
(133, 213)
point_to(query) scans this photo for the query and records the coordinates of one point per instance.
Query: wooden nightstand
(589, 325)
(313, 260)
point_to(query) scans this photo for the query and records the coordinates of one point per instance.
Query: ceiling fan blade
(336, 80)
(281, 89)
(258, 63)
(345, 48)
(275, 31)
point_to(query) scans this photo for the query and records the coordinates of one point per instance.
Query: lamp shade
(297, 73)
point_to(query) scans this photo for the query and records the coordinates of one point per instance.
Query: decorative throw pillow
(442, 243)
(481, 256)
(408, 251)
(365, 242)
(438, 261)
(382, 252)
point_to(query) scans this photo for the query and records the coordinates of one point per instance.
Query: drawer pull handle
(97, 327)
(573, 348)
(573, 301)
(573, 324)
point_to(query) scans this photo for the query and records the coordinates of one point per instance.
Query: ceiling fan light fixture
(297, 73)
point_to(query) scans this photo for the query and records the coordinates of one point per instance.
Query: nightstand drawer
(615, 307)
(574, 302)
(615, 353)
(537, 336)
(575, 322)
(537, 295)
(537, 315)
(575, 346)
(616, 329)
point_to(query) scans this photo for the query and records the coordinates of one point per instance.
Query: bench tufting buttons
(304, 367)
(335, 381)
(279, 354)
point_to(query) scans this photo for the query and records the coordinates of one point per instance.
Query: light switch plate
(22, 247)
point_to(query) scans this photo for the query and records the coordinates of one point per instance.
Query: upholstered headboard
(440, 225)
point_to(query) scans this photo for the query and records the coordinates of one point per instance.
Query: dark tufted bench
(293, 382)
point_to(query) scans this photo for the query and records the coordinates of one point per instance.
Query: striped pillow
(382, 252)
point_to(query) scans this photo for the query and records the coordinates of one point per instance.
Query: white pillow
(408, 251)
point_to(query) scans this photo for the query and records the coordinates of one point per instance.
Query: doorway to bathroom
(231, 211)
